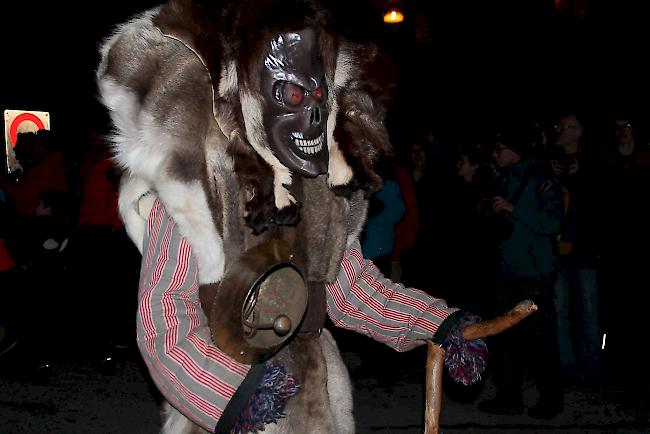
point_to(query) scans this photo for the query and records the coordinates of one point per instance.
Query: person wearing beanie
(517, 139)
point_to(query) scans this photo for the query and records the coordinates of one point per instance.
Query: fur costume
(189, 109)
(182, 85)
(257, 127)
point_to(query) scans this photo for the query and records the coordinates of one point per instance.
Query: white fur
(138, 146)
(252, 111)
(146, 152)
(344, 68)
(339, 172)
(188, 204)
(228, 80)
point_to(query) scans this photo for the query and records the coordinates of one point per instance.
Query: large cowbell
(260, 303)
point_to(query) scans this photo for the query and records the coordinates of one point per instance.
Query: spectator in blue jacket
(385, 209)
(529, 210)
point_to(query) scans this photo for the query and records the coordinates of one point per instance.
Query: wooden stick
(436, 359)
(433, 392)
(496, 325)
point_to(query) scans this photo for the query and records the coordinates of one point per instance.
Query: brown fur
(234, 35)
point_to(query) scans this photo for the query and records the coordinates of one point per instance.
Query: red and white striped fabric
(174, 337)
(172, 330)
(362, 299)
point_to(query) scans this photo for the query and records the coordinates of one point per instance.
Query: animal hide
(179, 81)
(183, 112)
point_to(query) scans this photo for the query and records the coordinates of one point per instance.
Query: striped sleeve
(172, 331)
(363, 300)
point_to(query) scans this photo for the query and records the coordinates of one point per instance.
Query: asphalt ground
(85, 392)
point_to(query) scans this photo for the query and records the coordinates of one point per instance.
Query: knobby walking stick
(436, 358)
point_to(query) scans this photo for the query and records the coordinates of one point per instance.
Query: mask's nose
(315, 116)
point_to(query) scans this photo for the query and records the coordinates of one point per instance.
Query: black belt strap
(240, 399)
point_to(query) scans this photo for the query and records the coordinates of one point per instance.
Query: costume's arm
(362, 299)
(172, 331)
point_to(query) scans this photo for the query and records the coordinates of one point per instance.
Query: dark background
(461, 63)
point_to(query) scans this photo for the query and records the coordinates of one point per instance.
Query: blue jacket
(537, 219)
(379, 236)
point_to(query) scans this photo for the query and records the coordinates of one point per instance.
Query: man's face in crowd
(624, 130)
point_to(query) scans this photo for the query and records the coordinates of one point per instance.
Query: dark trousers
(530, 346)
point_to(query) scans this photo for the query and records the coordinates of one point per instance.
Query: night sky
(488, 59)
(50, 57)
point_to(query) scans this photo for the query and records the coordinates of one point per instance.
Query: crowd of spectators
(551, 210)
(68, 264)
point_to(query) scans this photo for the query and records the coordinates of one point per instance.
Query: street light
(393, 14)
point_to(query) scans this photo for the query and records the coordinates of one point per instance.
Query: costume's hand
(500, 204)
(261, 219)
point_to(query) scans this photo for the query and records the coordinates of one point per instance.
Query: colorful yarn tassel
(267, 404)
(466, 360)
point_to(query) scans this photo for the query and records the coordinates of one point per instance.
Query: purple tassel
(466, 360)
(266, 405)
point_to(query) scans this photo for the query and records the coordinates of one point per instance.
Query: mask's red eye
(318, 93)
(292, 94)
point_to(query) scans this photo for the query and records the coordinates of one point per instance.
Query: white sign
(21, 121)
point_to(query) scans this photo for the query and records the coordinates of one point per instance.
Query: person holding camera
(578, 248)
(530, 211)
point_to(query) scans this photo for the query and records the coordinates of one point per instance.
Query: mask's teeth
(308, 147)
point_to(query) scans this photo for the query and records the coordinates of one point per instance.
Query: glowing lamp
(393, 15)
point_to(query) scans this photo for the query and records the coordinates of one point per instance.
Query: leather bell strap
(316, 310)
